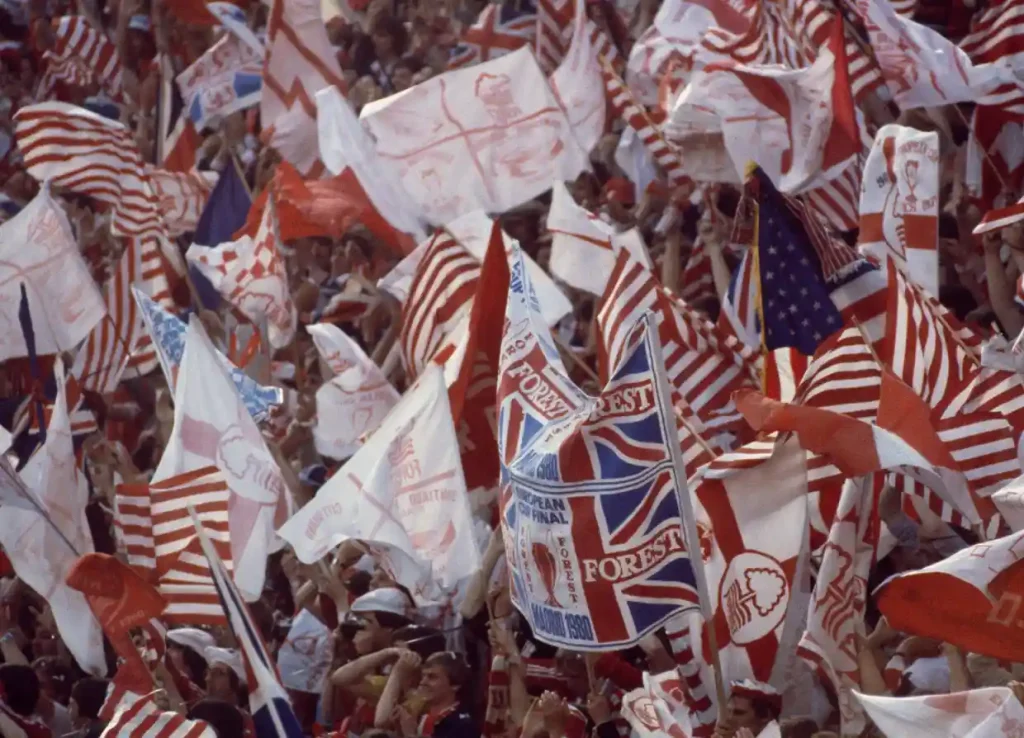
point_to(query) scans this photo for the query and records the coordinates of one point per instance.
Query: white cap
(386, 599)
(227, 656)
(192, 638)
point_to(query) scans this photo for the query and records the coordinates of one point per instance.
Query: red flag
(473, 394)
(320, 207)
(971, 599)
(120, 598)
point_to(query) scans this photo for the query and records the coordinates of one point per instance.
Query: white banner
(355, 401)
(403, 489)
(488, 137)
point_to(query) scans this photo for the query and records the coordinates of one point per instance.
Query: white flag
(899, 203)
(584, 247)
(212, 426)
(981, 713)
(786, 128)
(38, 249)
(345, 145)
(353, 403)
(579, 86)
(921, 68)
(304, 658)
(42, 552)
(488, 137)
(403, 490)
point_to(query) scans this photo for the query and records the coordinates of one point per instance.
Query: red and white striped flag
(181, 197)
(843, 377)
(997, 36)
(633, 114)
(925, 345)
(704, 365)
(440, 296)
(139, 717)
(555, 33)
(91, 155)
(81, 54)
(155, 526)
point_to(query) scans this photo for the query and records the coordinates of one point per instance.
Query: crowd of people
(388, 669)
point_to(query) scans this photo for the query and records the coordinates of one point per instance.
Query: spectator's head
(402, 74)
(442, 677)
(222, 681)
(87, 698)
(20, 688)
(55, 679)
(45, 643)
(800, 727)
(573, 668)
(383, 611)
(752, 705)
(223, 717)
(390, 38)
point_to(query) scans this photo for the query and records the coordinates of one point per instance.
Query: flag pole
(6, 469)
(690, 534)
(758, 297)
(215, 563)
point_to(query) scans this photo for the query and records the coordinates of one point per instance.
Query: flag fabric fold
(352, 404)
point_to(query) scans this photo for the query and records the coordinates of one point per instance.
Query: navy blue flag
(225, 213)
(797, 290)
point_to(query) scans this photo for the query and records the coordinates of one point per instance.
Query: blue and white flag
(168, 334)
(272, 713)
(227, 78)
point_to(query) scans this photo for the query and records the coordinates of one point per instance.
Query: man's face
(740, 714)
(434, 685)
(218, 682)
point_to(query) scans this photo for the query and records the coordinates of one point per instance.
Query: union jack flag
(590, 502)
(500, 29)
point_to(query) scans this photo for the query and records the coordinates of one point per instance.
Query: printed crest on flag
(168, 333)
(355, 401)
(589, 506)
(251, 274)
(225, 79)
(488, 137)
(899, 203)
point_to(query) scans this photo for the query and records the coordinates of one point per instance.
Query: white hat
(192, 638)
(227, 656)
(385, 599)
